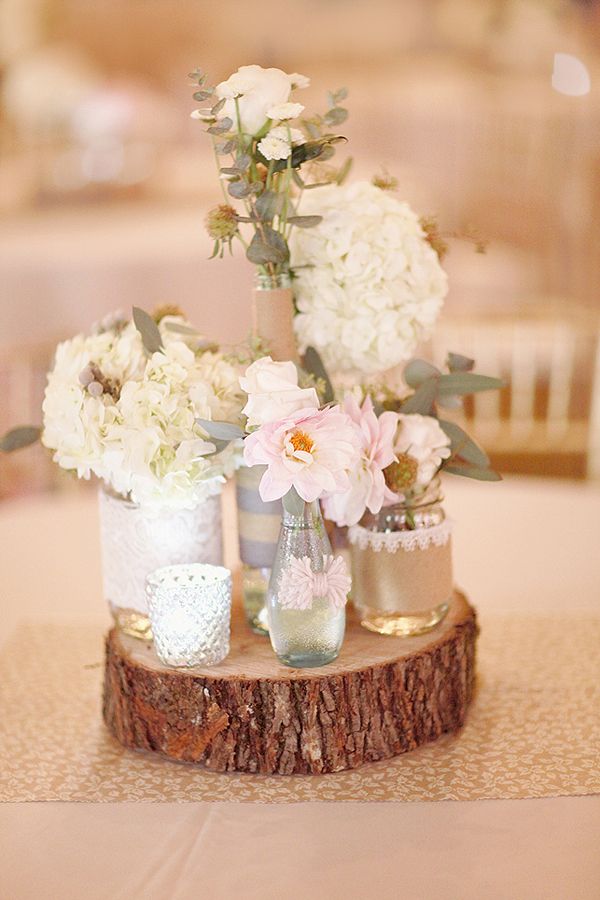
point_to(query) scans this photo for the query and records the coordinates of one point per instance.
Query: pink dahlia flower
(368, 489)
(311, 450)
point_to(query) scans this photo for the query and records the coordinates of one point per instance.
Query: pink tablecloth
(520, 546)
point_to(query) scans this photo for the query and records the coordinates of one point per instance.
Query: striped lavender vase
(258, 528)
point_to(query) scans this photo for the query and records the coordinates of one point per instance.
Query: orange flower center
(301, 441)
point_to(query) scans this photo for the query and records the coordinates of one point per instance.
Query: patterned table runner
(533, 729)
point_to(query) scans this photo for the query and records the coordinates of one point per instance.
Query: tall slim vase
(273, 322)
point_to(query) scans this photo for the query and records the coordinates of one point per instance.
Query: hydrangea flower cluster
(130, 417)
(368, 284)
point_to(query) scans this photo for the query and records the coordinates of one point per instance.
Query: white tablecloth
(522, 545)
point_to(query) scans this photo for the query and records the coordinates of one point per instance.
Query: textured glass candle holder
(190, 612)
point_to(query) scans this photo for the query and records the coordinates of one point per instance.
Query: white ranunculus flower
(274, 147)
(140, 435)
(284, 111)
(369, 286)
(422, 438)
(273, 392)
(257, 90)
(283, 133)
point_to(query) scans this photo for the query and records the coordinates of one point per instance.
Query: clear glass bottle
(303, 638)
(402, 565)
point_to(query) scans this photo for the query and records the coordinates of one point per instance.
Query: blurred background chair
(546, 421)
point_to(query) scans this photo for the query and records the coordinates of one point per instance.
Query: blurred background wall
(105, 181)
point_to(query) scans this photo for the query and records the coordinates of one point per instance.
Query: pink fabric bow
(299, 585)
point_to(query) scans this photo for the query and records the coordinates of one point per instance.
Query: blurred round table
(522, 545)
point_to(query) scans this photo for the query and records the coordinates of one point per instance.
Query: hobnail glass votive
(190, 612)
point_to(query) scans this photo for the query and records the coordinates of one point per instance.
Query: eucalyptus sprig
(260, 188)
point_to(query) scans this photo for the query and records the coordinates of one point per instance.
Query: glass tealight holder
(190, 612)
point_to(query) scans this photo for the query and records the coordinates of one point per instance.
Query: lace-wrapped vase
(402, 566)
(136, 541)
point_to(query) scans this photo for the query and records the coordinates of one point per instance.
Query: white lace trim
(421, 538)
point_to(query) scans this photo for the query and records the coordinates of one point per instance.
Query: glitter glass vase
(303, 637)
(136, 540)
(402, 565)
(190, 612)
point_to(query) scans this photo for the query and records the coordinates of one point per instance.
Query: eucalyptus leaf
(148, 329)
(423, 399)
(293, 503)
(314, 365)
(276, 242)
(269, 205)
(464, 446)
(201, 96)
(180, 328)
(336, 116)
(20, 437)
(458, 363)
(340, 94)
(450, 402)
(259, 252)
(419, 370)
(467, 383)
(229, 170)
(219, 106)
(474, 472)
(305, 221)
(221, 127)
(225, 147)
(242, 162)
(221, 431)
(239, 189)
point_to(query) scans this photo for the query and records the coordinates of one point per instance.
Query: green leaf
(267, 247)
(314, 366)
(458, 363)
(276, 242)
(20, 437)
(474, 472)
(148, 329)
(242, 162)
(423, 398)
(340, 94)
(417, 371)
(221, 431)
(293, 503)
(305, 221)
(218, 106)
(336, 116)
(464, 446)
(201, 96)
(468, 383)
(344, 171)
(180, 328)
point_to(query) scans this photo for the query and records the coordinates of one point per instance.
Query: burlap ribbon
(273, 322)
(391, 578)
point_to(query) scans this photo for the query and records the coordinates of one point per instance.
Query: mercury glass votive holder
(190, 612)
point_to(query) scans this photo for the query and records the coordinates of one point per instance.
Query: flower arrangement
(369, 285)
(262, 141)
(127, 404)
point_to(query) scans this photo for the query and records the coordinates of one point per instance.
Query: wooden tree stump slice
(383, 696)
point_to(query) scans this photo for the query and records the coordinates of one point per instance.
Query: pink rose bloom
(311, 450)
(368, 489)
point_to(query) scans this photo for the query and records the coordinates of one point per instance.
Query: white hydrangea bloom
(141, 437)
(369, 286)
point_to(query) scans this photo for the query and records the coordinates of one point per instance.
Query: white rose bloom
(257, 90)
(284, 111)
(422, 438)
(141, 435)
(273, 392)
(369, 286)
(274, 147)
